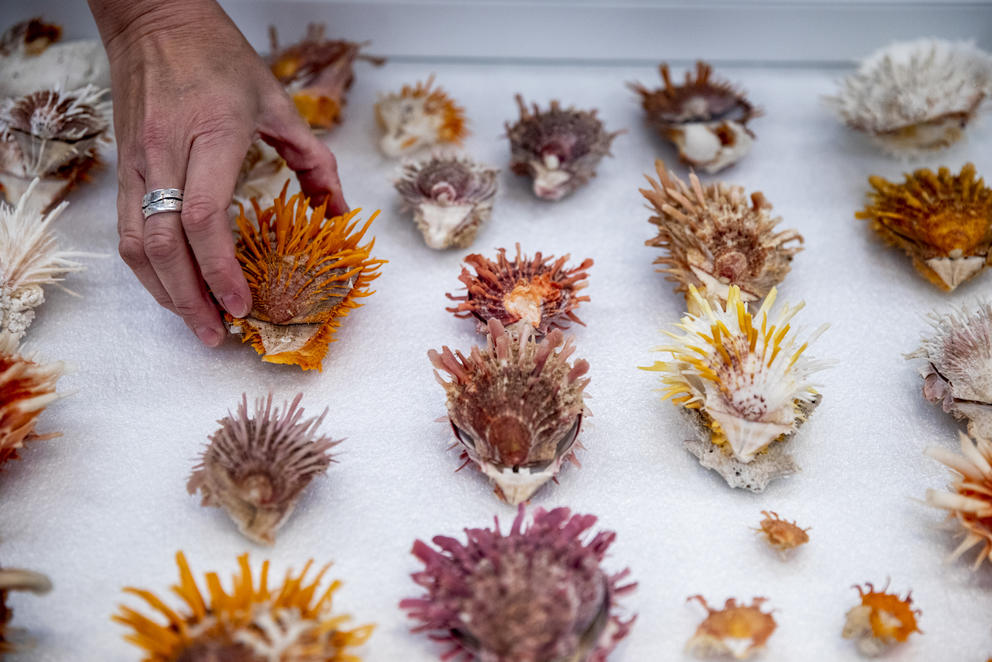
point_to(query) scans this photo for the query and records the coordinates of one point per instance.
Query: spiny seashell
(418, 117)
(317, 73)
(780, 534)
(714, 238)
(291, 622)
(535, 594)
(256, 467)
(969, 500)
(527, 292)
(881, 621)
(745, 380)
(942, 221)
(29, 259)
(54, 135)
(450, 197)
(305, 272)
(263, 175)
(12, 579)
(31, 60)
(515, 406)
(739, 631)
(914, 97)
(26, 388)
(705, 118)
(958, 373)
(558, 148)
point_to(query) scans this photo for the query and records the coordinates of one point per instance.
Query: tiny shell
(558, 148)
(317, 73)
(525, 292)
(290, 622)
(12, 579)
(305, 273)
(705, 118)
(915, 97)
(450, 197)
(31, 60)
(740, 631)
(969, 499)
(30, 37)
(534, 594)
(958, 372)
(715, 239)
(781, 534)
(256, 467)
(418, 117)
(515, 406)
(53, 135)
(29, 259)
(745, 381)
(26, 388)
(881, 621)
(942, 221)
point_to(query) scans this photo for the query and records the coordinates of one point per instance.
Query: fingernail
(208, 335)
(234, 304)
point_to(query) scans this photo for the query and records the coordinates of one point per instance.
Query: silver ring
(166, 205)
(159, 194)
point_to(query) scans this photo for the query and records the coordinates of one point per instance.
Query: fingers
(130, 228)
(214, 162)
(170, 257)
(315, 165)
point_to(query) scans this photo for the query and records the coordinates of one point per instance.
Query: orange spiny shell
(942, 221)
(534, 291)
(736, 630)
(26, 388)
(781, 534)
(881, 620)
(419, 116)
(305, 273)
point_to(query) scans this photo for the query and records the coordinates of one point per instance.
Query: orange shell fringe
(220, 616)
(453, 123)
(737, 622)
(899, 608)
(19, 383)
(320, 245)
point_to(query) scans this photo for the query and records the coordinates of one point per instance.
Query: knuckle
(132, 250)
(219, 272)
(161, 246)
(154, 135)
(199, 214)
(187, 308)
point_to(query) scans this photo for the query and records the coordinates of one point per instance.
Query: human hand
(190, 94)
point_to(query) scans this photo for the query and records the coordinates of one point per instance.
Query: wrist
(125, 23)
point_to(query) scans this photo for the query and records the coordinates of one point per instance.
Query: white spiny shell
(263, 175)
(450, 197)
(418, 116)
(958, 372)
(969, 499)
(28, 66)
(29, 259)
(916, 96)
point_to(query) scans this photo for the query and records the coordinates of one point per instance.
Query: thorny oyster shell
(558, 148)
(305, 272)
(714, 239)
(263, 175)
(26, 388)
(958, 373)
(525, 292)
(705, 118)
(914, 97)
(30, 60)
(317, 73)
(290, 622)
(51, 134)
(450, 197)
(881, 621)
(746, 380)
(781, 534)
(739, 631)
(256, 467)
(515, 406)
(535, 594)
(29, 259)
(12, 579)
(418, 117)
(969, 499)
(942, 221)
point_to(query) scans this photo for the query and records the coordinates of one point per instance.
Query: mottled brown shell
(559, 148)
(30, 37)
(715, 236)
(781, 534)
(942, 221)
(535, 292)
(515, 406)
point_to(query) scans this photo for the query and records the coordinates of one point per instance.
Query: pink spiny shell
(535, 594)
(256, 467)
(559, 148)
(515, 406)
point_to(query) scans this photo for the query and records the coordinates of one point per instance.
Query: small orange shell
(26, 388)
(781, 534)
(305, 273)
(881, 620)
(736, 630)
